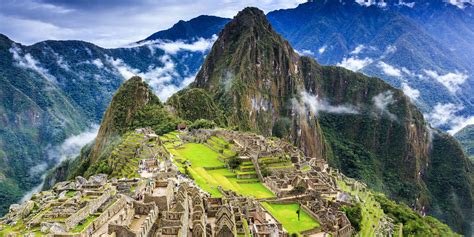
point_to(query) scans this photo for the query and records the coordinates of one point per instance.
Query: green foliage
(196, 104)
(234, 162)
(156, 117)
(413, 223)
(281, 128)
(354, 214)
(298, 190)
(466, 138)
(202, 123)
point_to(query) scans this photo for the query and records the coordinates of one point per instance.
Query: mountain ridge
(351, 112)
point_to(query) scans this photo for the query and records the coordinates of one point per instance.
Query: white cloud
(382, 101)
(70, 148)
(358, 49)
(413, 94)
(27, 61)
(452, 80)
(173, 47)
(101, 22)
(389, 50)
(307, 52)
(73, 145)
(322, 49)
(407, 4)
(368, 3)
(354, 63)
(389, 70)
(159, 78)
(125, 70)
(98, 63)
(460, 3)
(314, 104)
(446, 115)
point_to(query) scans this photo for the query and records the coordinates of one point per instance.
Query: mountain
(361, 125)
(409, 47)
(133, 160)
(55, 90)
(134, 105)
(200, 27)
(424, 49)
(466, 138)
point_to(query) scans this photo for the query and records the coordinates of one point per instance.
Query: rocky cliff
(360, 124)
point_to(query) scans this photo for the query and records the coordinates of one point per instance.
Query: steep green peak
(247, 51)
(132, 96)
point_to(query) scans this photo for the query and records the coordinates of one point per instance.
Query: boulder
(99, 179)
(80, 181)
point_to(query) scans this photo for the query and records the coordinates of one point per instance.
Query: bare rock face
(53, 228)
(80, 181)
(99, 179)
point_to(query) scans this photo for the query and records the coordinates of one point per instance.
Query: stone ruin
(170, 205)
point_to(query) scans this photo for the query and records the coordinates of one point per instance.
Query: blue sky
(111, 23)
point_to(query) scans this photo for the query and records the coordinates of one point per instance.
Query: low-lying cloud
(173, 47)
(69, 149)
(412, 93)
(452, 80)
(27, 61)
(160, 78)
(355, 63)
(389, 70)
(315, 104)
(445, 115)
(382, 101)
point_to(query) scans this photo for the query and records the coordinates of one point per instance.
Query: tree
(297, 191)
(234, 162)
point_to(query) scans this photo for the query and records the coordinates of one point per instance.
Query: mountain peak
(133, 95)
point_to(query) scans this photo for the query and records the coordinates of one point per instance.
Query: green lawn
(201, 156)
(286, 215)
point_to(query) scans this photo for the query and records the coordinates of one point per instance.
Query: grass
(287, 216)
(372, 213)
(201, 157)
(86, 223)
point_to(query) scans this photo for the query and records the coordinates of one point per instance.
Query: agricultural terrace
(372, 213)
(287, 215)
(206, 164)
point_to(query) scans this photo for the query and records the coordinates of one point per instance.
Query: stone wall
(90, 209)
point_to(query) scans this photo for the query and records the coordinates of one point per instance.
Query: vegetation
(234, 162)
(354, 214)
(413, 223)
(202, 123)
(196, 104)
(466, 138)
(287, 215)
(208, 170)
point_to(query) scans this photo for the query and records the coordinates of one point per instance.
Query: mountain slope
(362, 125)
(54, 90)
(134, 105)
(466, 138)
(384, 42)
(199, 27)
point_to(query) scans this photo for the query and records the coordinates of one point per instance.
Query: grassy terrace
(286, 214)
(371, 211)
(209, 172)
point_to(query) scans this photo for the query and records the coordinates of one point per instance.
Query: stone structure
(162, 202)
